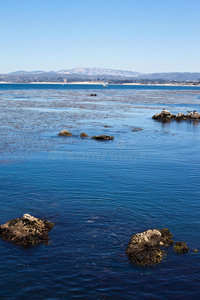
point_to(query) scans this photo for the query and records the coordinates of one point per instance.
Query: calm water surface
(99, 193)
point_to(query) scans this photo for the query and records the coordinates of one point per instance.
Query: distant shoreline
(101, 83)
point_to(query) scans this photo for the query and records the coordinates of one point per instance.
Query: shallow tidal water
(99, 193)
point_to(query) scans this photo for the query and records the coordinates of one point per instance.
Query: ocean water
(99, 193)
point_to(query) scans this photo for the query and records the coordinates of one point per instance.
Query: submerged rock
(181, 247)
(103, 137)
(64, 132)
(83, 134)
(134, 129)
(26, 231)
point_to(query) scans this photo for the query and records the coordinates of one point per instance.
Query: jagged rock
(64, 132)
(83, 134)
(26, 231)
(93, 95)
(103, 137)
(181, 247)
(144, 248)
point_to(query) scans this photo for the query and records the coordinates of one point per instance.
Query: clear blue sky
(137, 35)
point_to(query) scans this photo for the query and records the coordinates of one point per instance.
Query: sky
(138, 35)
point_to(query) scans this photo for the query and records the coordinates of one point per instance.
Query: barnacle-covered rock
(26, 231)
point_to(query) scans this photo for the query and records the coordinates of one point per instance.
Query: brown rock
(64, 132)
(181, 247)
(143, 248)
(26, 231)
(83, 134)
(196, 115)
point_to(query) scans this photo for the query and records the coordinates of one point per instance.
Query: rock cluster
(167, 115)
(93, 95)
(64, 132)
(145, 248)
(26, 231)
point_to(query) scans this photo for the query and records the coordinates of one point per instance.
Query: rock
(64, 132)
(164, 115)
(26, 231)
(166, 237)
(196, 115)
(143, 248)
(180, 115)
(103, 137)
(181, 247)
(83, 134)
(93, 95)
(189, 115)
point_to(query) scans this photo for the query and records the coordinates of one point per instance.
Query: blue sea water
(99, 193)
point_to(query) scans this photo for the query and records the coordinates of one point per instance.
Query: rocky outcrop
(26, 231)
(83, 134)
(144, 248)
(103, 137)
(166, 115)
(64, 132)
(93, 95)
(181, 247)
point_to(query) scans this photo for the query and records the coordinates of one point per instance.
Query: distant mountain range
(83, 71)
(91, 74)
